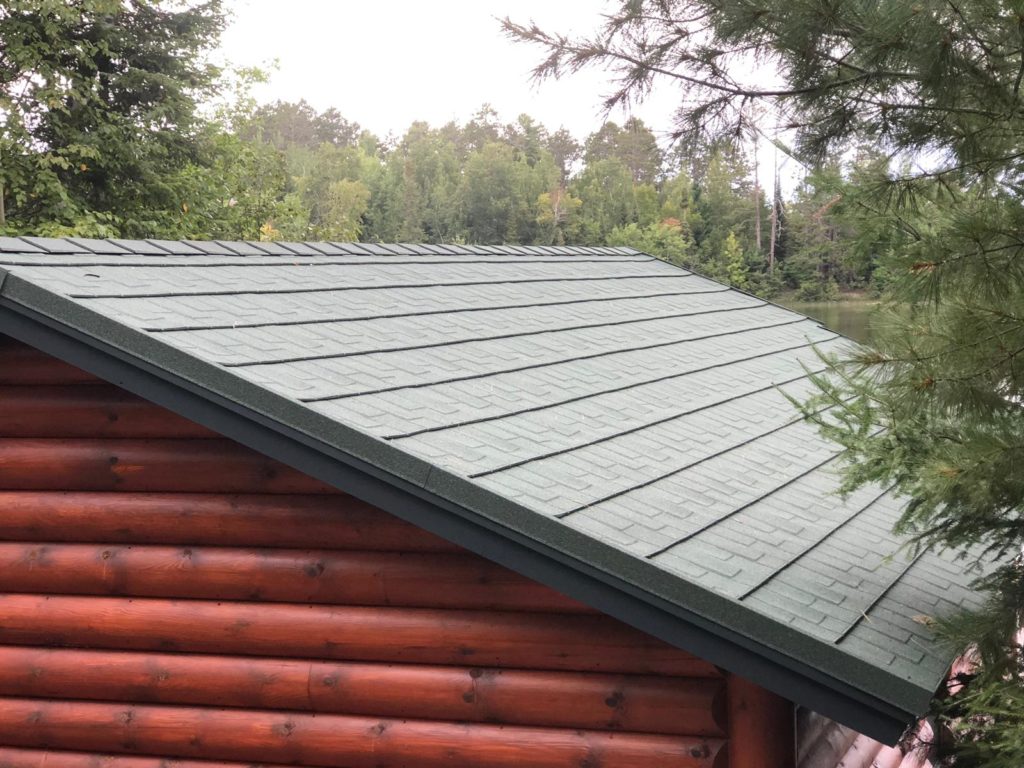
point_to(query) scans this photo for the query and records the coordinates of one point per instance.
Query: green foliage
(288, 125)
(97, 107)
(815, 289)
(500, 192)
(734, 263)
(606, 189)
(416, 193)
(345, 204)
(564, 150)
(489, 194)
(666, 240)
(819, 233)
(235, 189)
(724, 198)
(329, 180)
(633, 145)
(986, 712)
(557, 216)
(832, 237)
(990, 723)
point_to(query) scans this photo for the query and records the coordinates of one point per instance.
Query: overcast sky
(387, 64)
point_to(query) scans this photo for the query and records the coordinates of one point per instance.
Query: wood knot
(285, 729)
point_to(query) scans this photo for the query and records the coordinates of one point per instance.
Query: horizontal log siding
(516, 696)
(166, 593)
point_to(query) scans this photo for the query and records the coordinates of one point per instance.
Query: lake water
(850, 318)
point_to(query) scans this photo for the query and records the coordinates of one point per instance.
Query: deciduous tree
(98, 105)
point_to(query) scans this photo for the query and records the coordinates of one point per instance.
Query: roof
(604, 422)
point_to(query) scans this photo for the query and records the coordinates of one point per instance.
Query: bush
(818, 290)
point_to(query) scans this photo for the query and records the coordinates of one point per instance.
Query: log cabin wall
(169, 593)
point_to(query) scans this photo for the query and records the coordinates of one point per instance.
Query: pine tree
(937, 86)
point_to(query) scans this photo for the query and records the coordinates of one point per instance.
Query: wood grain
(242, 520)
(406, 579)
(183, 466)
(74, 410)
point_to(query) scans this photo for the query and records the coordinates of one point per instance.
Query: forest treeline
(108, 132)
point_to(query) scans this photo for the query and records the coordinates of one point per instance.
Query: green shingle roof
(590, 407)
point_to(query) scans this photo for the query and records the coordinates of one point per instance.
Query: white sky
(387, 64)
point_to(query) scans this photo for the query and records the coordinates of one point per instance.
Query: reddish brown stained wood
(558, 699)
(333, 522)
(333, 740)
(111, 505)
(23, 365)
(96, 411)
(761, 727)
(12, 757)
(429, 580)
(187, 466)
(412, 635)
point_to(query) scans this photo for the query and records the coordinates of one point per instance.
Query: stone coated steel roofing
(619, 413)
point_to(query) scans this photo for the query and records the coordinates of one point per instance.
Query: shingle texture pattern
(625, 398)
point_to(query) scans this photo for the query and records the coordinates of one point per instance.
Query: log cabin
(382, 506)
